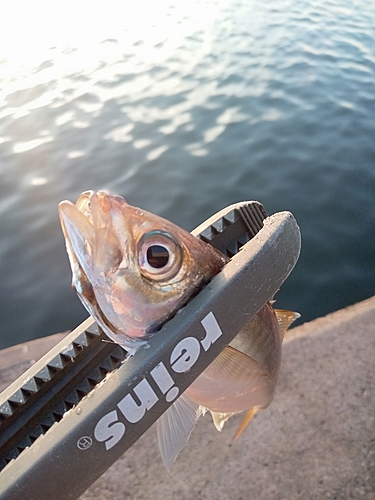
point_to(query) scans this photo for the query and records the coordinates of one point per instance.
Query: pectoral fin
(175, 426)
(232, 383)
(234, 364)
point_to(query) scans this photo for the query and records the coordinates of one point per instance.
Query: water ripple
(184, 109)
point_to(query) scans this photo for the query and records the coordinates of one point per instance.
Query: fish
(133, 271)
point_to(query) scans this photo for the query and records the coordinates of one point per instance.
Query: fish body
(133, 271)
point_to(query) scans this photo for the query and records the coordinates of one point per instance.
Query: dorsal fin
(285, 319)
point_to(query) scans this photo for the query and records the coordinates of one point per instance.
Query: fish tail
(175, 426)
(248, 416)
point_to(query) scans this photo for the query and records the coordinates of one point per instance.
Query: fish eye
(159, 256)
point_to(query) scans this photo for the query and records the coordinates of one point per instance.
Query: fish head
(132, 269)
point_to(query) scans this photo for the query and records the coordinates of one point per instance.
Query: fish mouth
(93, 249)
(89, 231)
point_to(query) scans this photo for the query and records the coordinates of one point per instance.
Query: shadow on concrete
(315, 441)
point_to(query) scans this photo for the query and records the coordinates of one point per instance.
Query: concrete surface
(17, 359)
(315, 441)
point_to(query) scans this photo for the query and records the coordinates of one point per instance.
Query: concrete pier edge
(315, 441)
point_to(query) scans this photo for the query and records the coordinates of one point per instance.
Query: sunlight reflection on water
(184, 108)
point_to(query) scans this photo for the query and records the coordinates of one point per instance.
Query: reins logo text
(110, 429)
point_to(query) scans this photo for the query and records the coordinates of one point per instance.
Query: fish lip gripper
(80, 407)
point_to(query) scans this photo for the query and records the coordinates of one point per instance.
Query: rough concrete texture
(17, 359)
(315, 441)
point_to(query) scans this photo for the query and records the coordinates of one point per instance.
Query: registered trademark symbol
(84, 442)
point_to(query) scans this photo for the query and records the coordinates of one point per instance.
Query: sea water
(184, 108)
